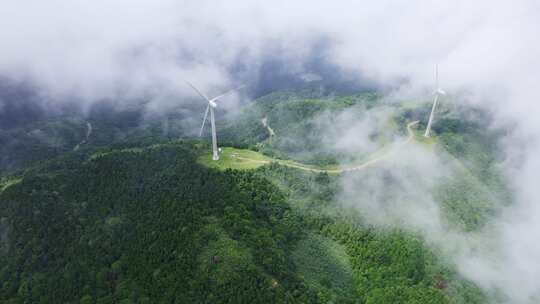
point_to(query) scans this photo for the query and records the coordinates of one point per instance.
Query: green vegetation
(25, 145)
(231, 158)
(325, 266)
(294, 121)
(149, 224)
(133, 217)
(7, 182)
(139, 227)
(476, 191)
(242, 159)
(388, 266)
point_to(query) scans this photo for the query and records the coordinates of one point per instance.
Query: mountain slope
(145, 225)
(133, 218)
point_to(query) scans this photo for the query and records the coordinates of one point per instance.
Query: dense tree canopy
(140, 221)
(146, 225)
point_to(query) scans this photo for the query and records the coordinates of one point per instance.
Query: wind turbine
(210, 107)
(438, 92)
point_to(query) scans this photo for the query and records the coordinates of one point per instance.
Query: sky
(123, 50)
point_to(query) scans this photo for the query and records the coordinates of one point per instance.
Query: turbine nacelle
(440, 92)
(212, 103)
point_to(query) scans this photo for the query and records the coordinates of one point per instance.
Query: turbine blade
(197, 90)
(204, 119)
(227, 93)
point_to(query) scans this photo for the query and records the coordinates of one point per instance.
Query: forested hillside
(131, 217)
(29, 142)
(386, 265)
(299, 122)
(146, 226)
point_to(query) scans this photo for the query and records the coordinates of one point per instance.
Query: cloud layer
(124, 50)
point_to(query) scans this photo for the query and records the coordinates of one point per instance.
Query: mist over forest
(327, 189)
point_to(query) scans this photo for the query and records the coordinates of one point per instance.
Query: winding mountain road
(359, 167)
(267, 126)
(88, 133)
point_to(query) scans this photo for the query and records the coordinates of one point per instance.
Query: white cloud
(122, 49)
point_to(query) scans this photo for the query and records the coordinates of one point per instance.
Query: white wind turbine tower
(438, 92)
(210, 107)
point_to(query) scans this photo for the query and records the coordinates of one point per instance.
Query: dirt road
(362, 166)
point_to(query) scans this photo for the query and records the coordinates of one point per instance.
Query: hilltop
(135, 217)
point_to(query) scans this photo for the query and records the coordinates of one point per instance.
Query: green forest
(132, 217)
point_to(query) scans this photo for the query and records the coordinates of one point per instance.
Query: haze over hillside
(334, 195)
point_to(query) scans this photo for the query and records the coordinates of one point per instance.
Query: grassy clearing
(427, 141)
(232, 158)
(241, 159)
